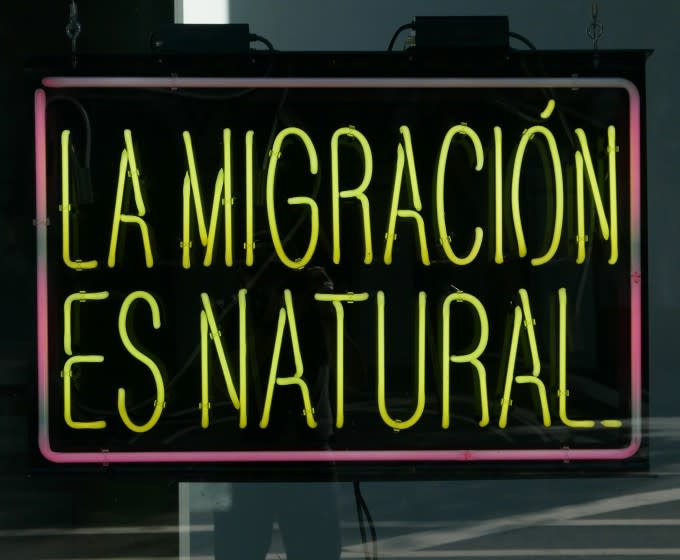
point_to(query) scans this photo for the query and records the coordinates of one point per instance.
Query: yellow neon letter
(66, 209)
(471, 357)
(532, 378)
(228, 200)
(68, 372)
(357, 193)
(128, 163)
(159, 403)
(580, 211)
(549, 108)
(78, 359)
(191, 189)
(528, 135)
(81, 297)
(336, 300)
(250, 241)
(608, 229)
(498, 164)
(563, 392)
(405, 152)
(209, 330)
(441, 172)
(293, 201)
(420, 405)
(287, 314)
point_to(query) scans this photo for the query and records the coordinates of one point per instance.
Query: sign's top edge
(480, 51)
(331, 82)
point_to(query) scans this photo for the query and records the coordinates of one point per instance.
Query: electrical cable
(79, 181)
(255, 38)
(360, 516)
(86, 121)
(397, 32)
(522, 39)
(511, 34)
(362, 510)
(586, 267)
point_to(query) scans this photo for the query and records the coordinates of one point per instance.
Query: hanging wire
(73, 28)
(254, 38)
(397, 32)
(522, 39)
(595, 30)
(86, 123)
(364, 518)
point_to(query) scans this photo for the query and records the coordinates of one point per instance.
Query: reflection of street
(622, 517)
(608, 518)
(628, 518)
(638, 524)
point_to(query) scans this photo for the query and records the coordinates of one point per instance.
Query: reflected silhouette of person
(306, 513)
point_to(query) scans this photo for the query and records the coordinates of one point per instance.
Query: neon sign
(339, 270)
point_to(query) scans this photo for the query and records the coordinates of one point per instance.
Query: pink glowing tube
(104, 457)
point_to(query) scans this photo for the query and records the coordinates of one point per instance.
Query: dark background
(38, 27)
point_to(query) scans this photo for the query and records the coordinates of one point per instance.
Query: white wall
(202, 11)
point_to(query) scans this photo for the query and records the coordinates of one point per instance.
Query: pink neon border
(338, 456)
